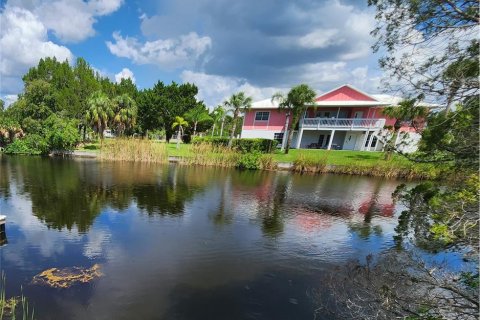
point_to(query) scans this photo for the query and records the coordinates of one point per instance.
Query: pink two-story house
(342, 119)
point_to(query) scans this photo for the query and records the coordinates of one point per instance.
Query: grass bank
(312, 161)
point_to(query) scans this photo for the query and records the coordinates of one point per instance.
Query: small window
(262, 116)
(278, 136)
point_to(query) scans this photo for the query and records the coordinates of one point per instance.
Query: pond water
(179, 242)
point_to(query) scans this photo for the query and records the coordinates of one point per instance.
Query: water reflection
(177, 241)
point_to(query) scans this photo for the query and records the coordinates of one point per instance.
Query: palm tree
(407, 110)
(236, 104)
(295, 103)
(99, 112)
(197, 115)
(217, 115)
(180, 123)
(125, 110)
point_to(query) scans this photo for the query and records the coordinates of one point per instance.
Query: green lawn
(336, 157)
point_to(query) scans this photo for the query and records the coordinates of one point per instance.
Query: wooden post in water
(3, 233)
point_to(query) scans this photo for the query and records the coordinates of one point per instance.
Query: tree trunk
(221, 127)
(194, 128)
(232, 133)
(290, 133)
(178, 138)
(213, 129)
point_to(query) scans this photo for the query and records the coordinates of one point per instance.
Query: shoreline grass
(302, 161)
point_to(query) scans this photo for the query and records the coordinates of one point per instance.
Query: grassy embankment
(314, 161)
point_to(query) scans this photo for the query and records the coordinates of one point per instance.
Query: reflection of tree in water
(223, 216)
(167, 197)
(271, 208)
(60, 196)
(65, 194)
(4, 178)
(365, 229)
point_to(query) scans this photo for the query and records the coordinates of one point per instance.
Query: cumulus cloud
(214, 89)
(124, 74)
(70, 20)
(9, 99)
(269, 43)
(23, 41)
(170, 53)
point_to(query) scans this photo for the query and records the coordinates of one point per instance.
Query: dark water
(184, 242)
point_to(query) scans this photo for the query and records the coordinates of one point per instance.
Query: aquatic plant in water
(66, 277)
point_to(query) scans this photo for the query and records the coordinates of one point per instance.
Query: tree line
(83, 103)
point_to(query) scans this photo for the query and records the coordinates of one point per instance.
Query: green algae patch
(66, 277)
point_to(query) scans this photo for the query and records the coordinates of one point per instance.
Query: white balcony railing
(342, 123)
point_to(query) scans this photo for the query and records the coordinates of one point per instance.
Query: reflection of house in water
(314, 202)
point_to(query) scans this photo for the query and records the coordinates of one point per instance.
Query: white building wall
(265, 134)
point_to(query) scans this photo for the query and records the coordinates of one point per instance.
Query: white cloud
(167, 53)
(124, 74)
(72, 20)
(316, 39)
(214, 89)
(9, 99)
(23, 41)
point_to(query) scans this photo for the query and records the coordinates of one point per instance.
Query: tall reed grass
(205, 154)
(8, 307)
(135, 150)
(308, 163)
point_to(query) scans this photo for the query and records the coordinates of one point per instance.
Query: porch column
(362, 147)
(370, 141)
(299, 138)
(331, 139)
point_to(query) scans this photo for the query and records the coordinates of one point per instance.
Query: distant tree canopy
(87, 100)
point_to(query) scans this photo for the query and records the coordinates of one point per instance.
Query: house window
(262, 116)
(278, 136)
(374, 140)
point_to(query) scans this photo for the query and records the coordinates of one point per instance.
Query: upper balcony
(341, 123)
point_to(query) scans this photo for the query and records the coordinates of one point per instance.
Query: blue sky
(222, 46)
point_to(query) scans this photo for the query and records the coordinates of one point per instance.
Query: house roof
(348, 96)
(265, 104)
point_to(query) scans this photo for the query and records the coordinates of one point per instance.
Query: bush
(186, 138)
(31, 144)
(61, 134)
(252, 145)
(249, 161)
(242, 145)
(215, 141)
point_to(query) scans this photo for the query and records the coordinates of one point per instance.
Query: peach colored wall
(276, 120)
(344, 94)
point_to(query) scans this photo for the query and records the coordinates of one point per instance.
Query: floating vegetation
(66, 277)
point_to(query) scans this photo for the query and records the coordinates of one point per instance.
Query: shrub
(33, 144)
(61, 134)
(215, 141)
(252, 145)
(249, 161)
(186, 138)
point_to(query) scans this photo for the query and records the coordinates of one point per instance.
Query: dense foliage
(431, 50)
(86, 103)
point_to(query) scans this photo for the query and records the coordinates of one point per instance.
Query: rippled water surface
(179, 242)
